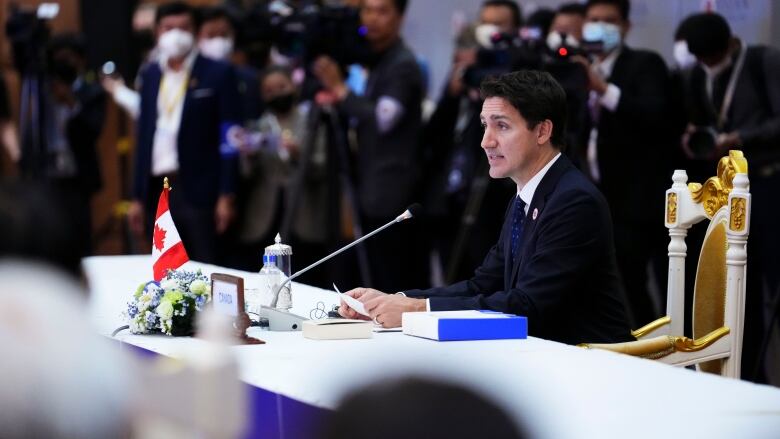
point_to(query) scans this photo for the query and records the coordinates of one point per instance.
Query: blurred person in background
(734, 96)
(188, 105)
(627, 143)
(275, 157)
(460, 196)
(217, 40)
(74, 120)
(388, 123)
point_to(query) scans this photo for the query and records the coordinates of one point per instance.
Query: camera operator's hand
(111, 83)
(724, 142)
(329, 74)
(224, 212)
(595, 81)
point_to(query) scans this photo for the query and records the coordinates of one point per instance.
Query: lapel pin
(535, 214)
(193, 82)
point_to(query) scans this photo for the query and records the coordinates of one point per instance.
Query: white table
(558, 390)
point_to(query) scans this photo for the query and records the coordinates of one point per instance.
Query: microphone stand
(280, 320)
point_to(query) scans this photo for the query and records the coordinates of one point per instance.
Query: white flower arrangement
(170, 305)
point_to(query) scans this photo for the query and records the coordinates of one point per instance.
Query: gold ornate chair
(719, 292)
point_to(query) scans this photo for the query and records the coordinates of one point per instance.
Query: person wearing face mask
(735, 91)
(271, 167)
(627, 143)
(216, 40)
(187, 104)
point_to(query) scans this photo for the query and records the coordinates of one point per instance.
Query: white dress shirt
(170, 103)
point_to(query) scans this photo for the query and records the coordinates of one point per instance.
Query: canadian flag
(167, 249)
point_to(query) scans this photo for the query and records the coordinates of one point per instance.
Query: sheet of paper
(352, 302)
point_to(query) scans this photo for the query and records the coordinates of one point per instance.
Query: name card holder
(227, 298)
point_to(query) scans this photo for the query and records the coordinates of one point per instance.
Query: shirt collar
(189, 60)
(527, 192)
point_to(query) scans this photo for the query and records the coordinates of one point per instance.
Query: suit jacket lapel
(192, 82)
(535, 209)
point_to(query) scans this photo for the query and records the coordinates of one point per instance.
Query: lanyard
(727, 98)
(168, 105)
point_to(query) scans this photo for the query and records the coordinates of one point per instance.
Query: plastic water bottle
(270, 278)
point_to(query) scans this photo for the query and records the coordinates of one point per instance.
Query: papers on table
(352, 302)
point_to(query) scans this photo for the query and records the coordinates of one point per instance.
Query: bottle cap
(278, 249)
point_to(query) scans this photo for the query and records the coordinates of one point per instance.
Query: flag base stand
(281, 320)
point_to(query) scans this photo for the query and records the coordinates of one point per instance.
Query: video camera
(303, 30)
(28, 33)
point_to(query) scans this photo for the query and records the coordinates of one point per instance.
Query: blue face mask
(607, 34)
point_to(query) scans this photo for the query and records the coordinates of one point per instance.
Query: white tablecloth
(558, 390)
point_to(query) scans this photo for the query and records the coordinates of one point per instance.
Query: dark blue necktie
(518, 218)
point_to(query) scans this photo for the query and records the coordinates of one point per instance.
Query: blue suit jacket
(211, 100)
(565, 278)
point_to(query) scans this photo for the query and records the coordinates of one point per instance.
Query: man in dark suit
(389, 120)
(188, 103)
(555, 260)
(627, 140)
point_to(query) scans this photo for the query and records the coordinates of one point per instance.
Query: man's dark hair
(400, 6)
(624, 6)
(275, 68)
(513, 7)
(571, 8)
(174, 8)
(536, 95)
(211, 13)
(74, 43)
(707, 34)
(429, 410)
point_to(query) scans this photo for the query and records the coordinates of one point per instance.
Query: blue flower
(151, 320)
(132, 309)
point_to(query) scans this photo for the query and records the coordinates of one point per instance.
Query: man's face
(501, 16)
(382, 20)
(511, 147)
(181, 21)
(569, 24)
(607, 14)
(219, 27)
(276, 84)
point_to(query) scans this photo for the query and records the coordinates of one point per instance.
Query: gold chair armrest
(650, 327)
(651, 348)
(685, 344)
(659, 347)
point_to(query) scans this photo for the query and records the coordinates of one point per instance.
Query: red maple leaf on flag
(159, 237)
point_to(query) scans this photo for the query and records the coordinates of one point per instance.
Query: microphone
(410, 212)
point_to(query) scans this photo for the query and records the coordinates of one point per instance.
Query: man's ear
(545, 132)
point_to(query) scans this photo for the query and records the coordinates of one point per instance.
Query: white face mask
(484, 35)
(682, 56)
(218, 48)
(175, 43)
(607, 34)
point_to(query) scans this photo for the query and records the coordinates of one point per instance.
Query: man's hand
(224, 213)
(329, 74)
(387, 309)
(135, 217)
(595, 81)
(361, 294)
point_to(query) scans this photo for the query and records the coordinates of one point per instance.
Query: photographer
(388, 118)
(734, 93)
(628, 104)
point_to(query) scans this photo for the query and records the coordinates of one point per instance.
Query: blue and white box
(464, 325)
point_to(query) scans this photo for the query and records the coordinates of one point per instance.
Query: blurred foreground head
(35, 224)
(59, 379)
(416, 408)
